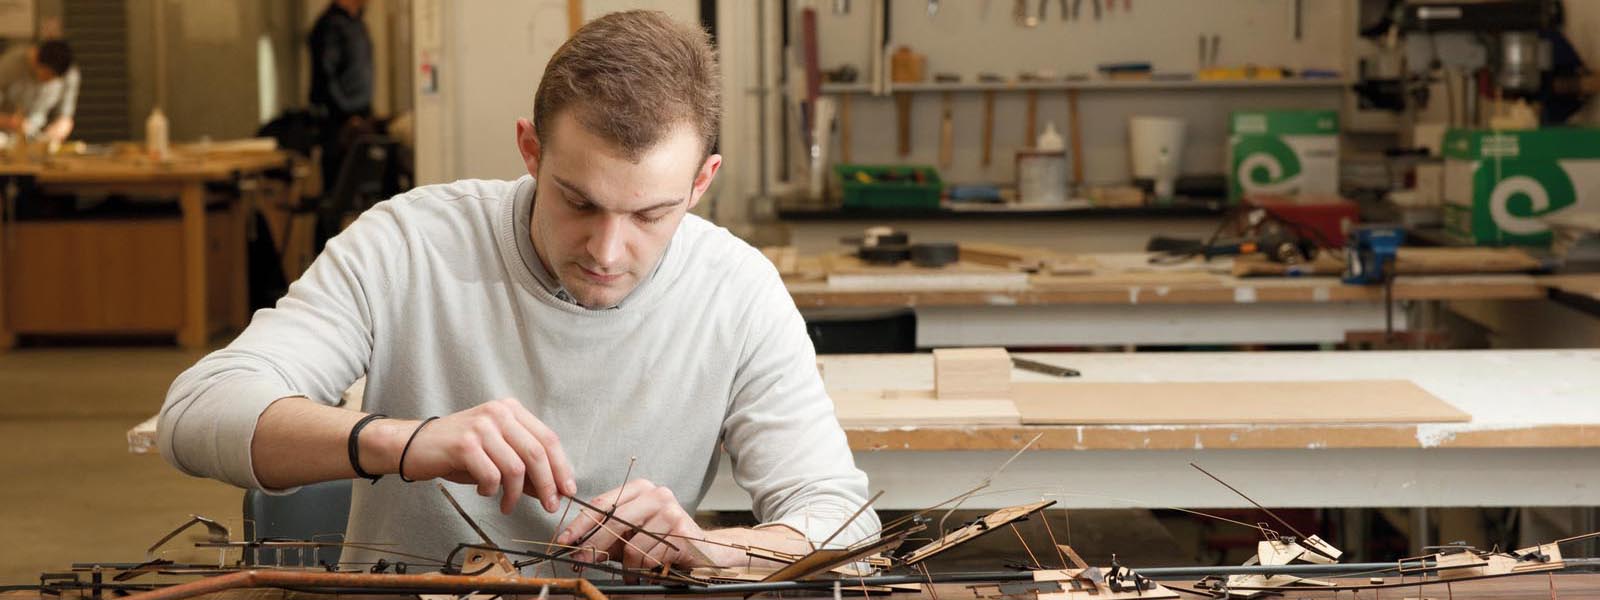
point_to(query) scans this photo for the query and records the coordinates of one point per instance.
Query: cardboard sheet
(1275, 402)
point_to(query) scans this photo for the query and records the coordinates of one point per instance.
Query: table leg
(195, 332)
(8, 194)
(239, 261)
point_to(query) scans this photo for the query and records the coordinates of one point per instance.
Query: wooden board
(850, 274)
(1411, 261)
(1256, 402)
(900, 408)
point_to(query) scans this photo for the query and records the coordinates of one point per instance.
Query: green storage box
(1499, 186)
(1283, 153)
(889, 187)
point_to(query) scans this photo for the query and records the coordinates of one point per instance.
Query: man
(341, 81)
(38, 90)
(341, 61)
(599, 320)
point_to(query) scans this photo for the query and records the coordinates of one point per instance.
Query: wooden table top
(1125, 278)
(1525, 587)
(184, 165)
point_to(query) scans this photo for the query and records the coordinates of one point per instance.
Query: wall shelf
(1095, 85)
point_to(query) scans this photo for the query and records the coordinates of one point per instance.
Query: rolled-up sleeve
(315, 343)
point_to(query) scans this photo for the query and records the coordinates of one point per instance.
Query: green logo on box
(1267, 165)
(1524, 192)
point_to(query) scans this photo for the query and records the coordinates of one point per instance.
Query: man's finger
(535, 459)
(648, 552)
(560, 468)
(483, 471)
(588, 517)
(512, 471)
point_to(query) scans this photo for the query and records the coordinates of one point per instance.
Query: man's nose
(608, 244)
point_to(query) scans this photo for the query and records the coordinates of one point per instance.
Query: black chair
(369, 174)
(862, 331)
(317, 512)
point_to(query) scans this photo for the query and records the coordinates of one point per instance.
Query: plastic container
(916, 187)
(1147, 136)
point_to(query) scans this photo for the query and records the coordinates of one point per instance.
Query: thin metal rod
(1258, 504)
(850, 520)
(463, 512)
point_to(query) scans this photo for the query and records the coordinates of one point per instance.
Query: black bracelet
(355, 447)
(402, 468)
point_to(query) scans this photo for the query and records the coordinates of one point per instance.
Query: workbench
(1527, 587)
(1534, 437)
(1184, 308)
(182, 179)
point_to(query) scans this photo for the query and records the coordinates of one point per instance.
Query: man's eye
(649, 218)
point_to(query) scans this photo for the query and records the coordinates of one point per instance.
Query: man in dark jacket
(341, 79)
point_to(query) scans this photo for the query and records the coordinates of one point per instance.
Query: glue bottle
(155, 134)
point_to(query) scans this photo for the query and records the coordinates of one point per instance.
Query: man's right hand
(496, 445)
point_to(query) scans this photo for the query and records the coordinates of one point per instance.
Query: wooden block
(1231, 402)
(971, 373)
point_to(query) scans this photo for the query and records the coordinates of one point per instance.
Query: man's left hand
(656, 510)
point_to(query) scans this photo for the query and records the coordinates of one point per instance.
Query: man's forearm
(298, 442)
(778, 538)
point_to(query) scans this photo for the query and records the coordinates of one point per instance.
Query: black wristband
(355, 447)
(401, 470)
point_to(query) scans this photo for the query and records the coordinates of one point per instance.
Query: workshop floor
(69, 490)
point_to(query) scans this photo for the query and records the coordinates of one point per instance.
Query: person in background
(38, 90)
(341, 80)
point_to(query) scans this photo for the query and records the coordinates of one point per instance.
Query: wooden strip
(877, 408)
(1254, 402)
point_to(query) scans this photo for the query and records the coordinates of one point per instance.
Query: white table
(1534, 439)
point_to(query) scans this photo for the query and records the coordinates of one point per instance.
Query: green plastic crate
(891, 187)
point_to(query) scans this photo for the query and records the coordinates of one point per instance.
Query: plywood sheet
(899, 408)
(1359, 401)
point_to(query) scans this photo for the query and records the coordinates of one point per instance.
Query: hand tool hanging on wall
(1019, 11)
(844, 128)
(1076, 137)
(808, 40)
(988, 116)
(1032, 124)
(933, 8)
(905, 67)
(947, 133)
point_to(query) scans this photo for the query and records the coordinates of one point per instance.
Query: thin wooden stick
(1035, 559)
(1053, 543)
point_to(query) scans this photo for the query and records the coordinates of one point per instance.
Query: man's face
(41, 73)
(600, 221)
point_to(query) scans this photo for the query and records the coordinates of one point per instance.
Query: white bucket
(1147, 136)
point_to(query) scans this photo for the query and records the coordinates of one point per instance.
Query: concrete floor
(69, 490)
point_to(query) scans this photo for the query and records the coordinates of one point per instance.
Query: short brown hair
(631, 77)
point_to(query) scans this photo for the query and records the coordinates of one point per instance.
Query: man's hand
(497, 445)
(657, 511)
(59, 129)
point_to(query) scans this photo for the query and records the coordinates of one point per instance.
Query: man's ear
(528, 145)
(702, 179)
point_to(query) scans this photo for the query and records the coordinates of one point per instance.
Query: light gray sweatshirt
(430, 295)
